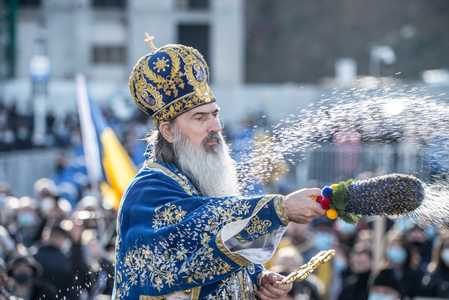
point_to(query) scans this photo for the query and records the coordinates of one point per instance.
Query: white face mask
(396, 254)
(380, 296)
(47, 205)
(26, 219)
(445, 256)
(66, 246)
(323, 240)
(345, 228)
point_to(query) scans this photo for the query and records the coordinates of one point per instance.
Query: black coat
(42, 290)
(355, 286)
(67, 273)
(436, 284)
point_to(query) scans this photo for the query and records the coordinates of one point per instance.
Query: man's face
(201, 126)
(200, 150)
(360, 262)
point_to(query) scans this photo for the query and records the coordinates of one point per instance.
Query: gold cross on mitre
(149, 39)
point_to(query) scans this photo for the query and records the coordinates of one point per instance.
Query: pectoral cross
(149, 39)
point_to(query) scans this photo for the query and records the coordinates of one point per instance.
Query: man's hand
(271, 286)
(301, 207)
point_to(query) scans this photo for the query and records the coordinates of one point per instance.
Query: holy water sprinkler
(393, 194)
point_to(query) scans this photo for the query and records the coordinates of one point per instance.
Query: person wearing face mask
(63, 262)
(324, 238)
(436, 282)
(385, 287)
(339, 266)
(346, 232)
(29, 222)
(404, 262)
(355, 279)
(23, 272)
(421, 239)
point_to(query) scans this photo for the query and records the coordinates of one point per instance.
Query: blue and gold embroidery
(258, 227)
(161, 64)
(168, 214)
(278, 205)
(177, 246)
(179, 178)
(170, 81)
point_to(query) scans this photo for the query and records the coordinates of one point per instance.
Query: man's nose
(214, 125)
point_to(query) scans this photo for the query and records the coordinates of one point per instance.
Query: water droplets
(377, 111)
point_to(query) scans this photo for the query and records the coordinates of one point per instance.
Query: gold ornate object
(169, 81)
(305, 270)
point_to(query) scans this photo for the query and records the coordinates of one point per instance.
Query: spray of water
(435, 208)
(384, 113)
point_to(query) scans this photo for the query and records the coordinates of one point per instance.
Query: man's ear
(165, 129)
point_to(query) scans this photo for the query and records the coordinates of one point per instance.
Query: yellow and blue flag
(109, 167)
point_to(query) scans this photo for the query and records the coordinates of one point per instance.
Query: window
(109, 3)
(197, 36)
(30, 3)
(108, 54)
(192, 4)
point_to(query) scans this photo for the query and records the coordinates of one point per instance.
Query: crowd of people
(17, 129)
(52, 248)
(415, 263)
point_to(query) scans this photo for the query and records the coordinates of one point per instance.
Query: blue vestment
(174, 243)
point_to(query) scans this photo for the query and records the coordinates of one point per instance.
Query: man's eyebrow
(205, 113)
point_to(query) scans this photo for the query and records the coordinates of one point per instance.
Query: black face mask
(22, 278)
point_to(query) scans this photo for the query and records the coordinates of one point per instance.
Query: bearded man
(184, 230)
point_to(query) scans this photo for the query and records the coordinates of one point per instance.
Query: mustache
(212, 137)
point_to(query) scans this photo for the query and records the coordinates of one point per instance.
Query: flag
(108, 165)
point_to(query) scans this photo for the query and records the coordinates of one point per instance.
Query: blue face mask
(346, 228)
(323, 241)
(26, 219)
(403, 224)
(396, 255)
(430, 232)
(380, 296)
(445, 256)
(340, 265)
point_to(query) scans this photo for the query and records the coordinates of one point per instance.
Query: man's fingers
(272, 287)
(265, 291)
(312, 192)
(275, 290)
(284, 286)
(261, 296)
(318, 210)
(272, 278)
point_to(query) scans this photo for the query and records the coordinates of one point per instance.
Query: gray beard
(212, 172)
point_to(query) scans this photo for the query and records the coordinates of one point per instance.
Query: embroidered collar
(171, 170)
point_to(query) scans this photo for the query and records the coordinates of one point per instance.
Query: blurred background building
(258, 50)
